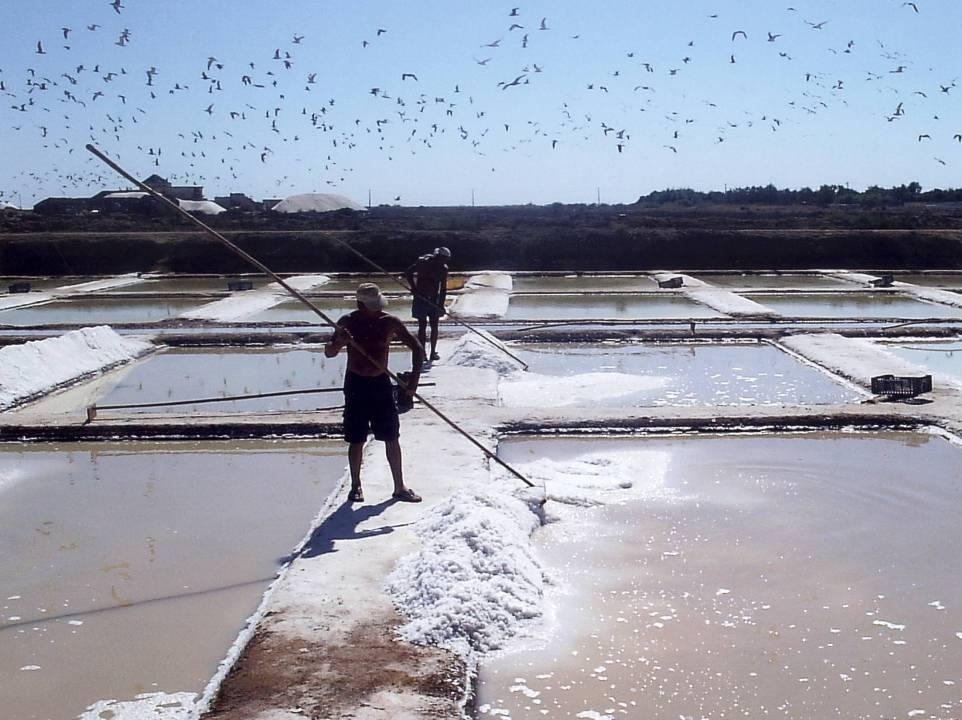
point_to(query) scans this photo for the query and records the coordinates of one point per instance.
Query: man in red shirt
(368, 395)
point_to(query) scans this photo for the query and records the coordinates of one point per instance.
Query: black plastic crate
(883, 281)
(901, 385)
(19, 287)
(237, 285)
(671, 283)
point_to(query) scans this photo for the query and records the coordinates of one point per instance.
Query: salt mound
(39, 366)
(534, 390)
(203, 207)
(126, 195)
(476, 581)
(597, 479)
(315, 202)
(473, 351)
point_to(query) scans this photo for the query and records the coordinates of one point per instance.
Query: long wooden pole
(300, 296)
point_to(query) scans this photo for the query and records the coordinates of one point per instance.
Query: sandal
(407, 495)
(356, 495)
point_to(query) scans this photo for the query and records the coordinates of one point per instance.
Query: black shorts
(423, 308)
(369, 407)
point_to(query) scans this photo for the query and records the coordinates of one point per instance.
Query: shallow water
(188, 373)
(598, 307)
(807, 576)
(691, 374)
(296, 311)
(583, 283)
(752, 280)
(855, 305)
(193, 285)
(946, 280)
(115, 558)
(938, 358)
(95, 312)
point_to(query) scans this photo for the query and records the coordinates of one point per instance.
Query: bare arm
(339, 339)
(417, 353)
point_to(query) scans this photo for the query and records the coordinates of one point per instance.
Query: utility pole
(472, 197)
(598, 194)
(369, 198)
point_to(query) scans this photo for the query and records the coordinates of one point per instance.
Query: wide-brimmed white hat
(369, 295)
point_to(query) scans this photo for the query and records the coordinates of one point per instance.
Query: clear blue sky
(842, 104)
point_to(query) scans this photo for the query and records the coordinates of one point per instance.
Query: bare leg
(423, 332)
(355, 451)
(392, 450)
(434, 338)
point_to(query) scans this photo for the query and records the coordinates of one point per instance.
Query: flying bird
(911, 5)
(40, 50)
(405, 76)
(117, 6)
(739, 32)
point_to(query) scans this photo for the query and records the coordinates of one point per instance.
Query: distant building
(238, 201)
(174, 192)
(315, 202)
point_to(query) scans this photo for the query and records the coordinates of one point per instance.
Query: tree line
(824, 196)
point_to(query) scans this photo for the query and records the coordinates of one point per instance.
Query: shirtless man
(368, 396)
(427, 278)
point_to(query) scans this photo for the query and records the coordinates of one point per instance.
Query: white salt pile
(315, 202)
(485, 295)
(600, 479)
(475, 582)
(148, 706)
(470, 350)
(37, 367)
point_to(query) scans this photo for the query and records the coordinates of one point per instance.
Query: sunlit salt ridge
(855, 358)
(40, 366)
(250, 302)
(485, 295)
(724, 301)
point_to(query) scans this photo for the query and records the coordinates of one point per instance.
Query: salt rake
(300, 296)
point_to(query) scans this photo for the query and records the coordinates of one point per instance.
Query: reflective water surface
(583, 283)
(116, 559)
(687, 373)
(197, 373)
(754, 280)
(855, 305)
(937, 357)
(585, 307)
(807, 576)
(85, 311)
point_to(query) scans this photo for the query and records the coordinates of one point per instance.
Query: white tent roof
(315, 202)
(204, 207)
(134, 194)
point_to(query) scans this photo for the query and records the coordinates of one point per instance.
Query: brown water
(130, 567)
(813, 576)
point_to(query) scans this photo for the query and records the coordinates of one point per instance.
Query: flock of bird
(235, 119)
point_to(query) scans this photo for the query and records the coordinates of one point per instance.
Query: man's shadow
(342, 525)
